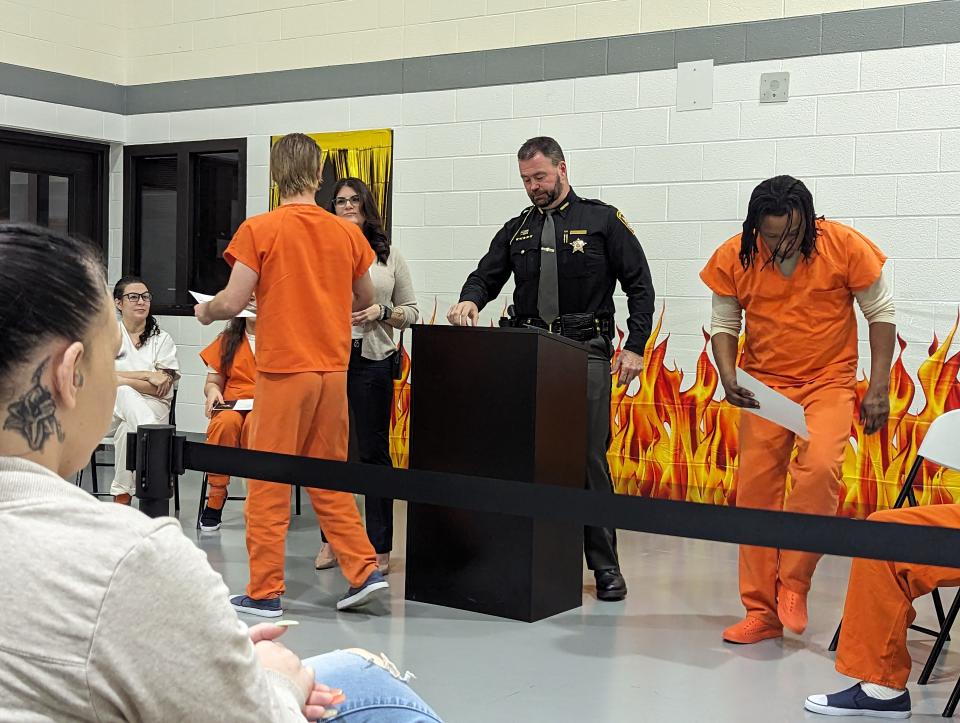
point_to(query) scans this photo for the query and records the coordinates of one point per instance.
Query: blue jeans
(375, 691)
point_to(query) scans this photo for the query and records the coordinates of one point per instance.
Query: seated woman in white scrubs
(146, 369)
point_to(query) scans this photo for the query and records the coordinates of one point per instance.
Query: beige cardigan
(394, 288)
(112, 616)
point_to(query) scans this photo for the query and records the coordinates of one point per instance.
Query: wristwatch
(385, 312)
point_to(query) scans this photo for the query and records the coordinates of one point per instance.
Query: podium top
(448, 329)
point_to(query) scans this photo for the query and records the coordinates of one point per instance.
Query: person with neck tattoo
(119, 617)
(146, 372)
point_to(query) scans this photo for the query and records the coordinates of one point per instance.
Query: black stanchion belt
(763, 528)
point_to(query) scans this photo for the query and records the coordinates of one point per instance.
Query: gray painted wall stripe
(36, 84)
(852, 31)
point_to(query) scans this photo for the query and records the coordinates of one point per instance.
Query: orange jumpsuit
(800, 339)
(229, 428)
(307, 260)
(878, 611)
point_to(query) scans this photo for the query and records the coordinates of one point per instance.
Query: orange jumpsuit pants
(879, 609)
(765, 451)
(227, 429)
(303, 414)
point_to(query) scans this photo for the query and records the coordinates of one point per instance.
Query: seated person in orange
(232, 375)
(795, 276)
(878, 611)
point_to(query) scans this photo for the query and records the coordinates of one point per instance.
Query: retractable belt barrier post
(150, 456)
(161, 453)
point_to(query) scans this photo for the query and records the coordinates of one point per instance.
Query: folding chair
(940, 446)
(108, 442)
(204, 497)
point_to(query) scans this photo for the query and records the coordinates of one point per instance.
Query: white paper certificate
(203, 298)
(774, 407)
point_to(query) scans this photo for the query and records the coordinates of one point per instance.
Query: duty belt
(579, 327)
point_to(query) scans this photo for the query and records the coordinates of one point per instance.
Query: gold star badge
(578, 246)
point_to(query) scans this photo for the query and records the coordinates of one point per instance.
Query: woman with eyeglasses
(146, 369)
(372, 360)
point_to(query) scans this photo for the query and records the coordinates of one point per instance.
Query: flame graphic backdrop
(673, 439)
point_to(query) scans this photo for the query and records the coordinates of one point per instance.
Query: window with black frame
(182, 205)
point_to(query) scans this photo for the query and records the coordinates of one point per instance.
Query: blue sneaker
(264, 608)
(357, 596)
(853, 701)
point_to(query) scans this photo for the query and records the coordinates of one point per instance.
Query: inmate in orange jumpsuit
(229, 428)
(800, 339)
(307, 260)
(878, 611)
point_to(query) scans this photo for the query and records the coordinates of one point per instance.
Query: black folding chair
(204, 497)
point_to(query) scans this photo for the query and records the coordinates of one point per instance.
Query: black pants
(370, 391)
(599, 543)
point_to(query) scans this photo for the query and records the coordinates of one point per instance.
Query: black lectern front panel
(499, 403)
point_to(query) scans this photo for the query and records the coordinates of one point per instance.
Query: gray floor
(655, 657)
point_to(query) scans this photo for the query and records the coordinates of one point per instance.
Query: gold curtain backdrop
(367, 155)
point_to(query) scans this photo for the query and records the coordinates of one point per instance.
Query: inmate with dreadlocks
(794, 276)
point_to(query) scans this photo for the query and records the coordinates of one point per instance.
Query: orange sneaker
(751, 630)
(792, 609)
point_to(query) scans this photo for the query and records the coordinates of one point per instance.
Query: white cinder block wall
(876, 136)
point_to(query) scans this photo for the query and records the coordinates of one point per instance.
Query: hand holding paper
(203, 298)
(773, 406)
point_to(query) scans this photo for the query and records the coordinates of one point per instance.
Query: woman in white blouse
(146, 369)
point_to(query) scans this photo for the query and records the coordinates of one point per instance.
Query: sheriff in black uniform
(565, 282)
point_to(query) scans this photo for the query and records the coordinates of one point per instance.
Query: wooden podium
(509, 404)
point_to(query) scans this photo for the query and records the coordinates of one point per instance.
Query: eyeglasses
(342, 201)
(134, 298)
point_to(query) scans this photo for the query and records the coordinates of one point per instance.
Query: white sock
(880, 692)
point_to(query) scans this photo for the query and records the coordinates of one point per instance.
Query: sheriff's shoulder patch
(624, 222)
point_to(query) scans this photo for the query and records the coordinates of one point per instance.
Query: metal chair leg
(836, 639)
(297, 504)
(176, 493)
(952, 702)
(906, 492)
(203, 498)
(93, 472)
(941, 639)
(938, 606)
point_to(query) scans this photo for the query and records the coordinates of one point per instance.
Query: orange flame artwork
(674, 439)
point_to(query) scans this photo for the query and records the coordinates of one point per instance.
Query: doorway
(54, 182)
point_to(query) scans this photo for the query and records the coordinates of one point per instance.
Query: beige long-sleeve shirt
(112, 616)
(394, 287)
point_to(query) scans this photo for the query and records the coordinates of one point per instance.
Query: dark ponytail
(152, 328)
(51, 286)
(230, 339)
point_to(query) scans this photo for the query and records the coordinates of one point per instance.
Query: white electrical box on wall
(695, 85)
(775, 87)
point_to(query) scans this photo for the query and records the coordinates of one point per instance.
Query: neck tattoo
(34, 415)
